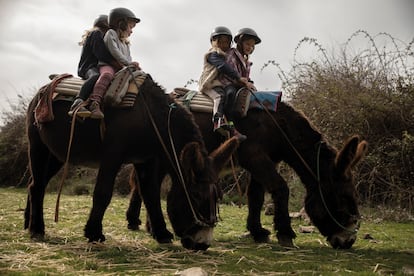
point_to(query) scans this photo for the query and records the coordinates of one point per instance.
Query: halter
(213, 211)
(317, 176)
(321, 194)
(198, 219)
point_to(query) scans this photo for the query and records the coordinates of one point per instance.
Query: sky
(40, 37)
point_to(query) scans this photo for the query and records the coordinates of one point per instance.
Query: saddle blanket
(265, 99)
(121, 93)
(197, 101)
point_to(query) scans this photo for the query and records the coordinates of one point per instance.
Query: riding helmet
(101, 21)
(248, 32)
(118, 14)
(220, 30)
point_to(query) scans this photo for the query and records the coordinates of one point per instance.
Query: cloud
(40, 37)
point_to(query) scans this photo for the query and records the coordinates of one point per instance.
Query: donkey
(327, 174)
(154, 128)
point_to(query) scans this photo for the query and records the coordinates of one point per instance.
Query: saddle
(121, 93)
(237, 106)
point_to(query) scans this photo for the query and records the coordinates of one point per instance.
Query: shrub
(13, 144)
(371, 93)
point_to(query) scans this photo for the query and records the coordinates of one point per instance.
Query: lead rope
(317, 177)
(323, 198)
(66, 166)
(180, 173)
(285, 136)
(236, 179)
(175, 165)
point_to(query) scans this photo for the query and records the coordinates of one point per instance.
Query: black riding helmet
(121, 14)
(220, 30)
(101, 21)
(247, 32)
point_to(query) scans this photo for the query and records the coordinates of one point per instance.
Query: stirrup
(78, 108)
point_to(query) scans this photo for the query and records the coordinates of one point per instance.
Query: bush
(370, 93)
(13, 144)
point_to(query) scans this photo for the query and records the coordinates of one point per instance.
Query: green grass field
(389, 249)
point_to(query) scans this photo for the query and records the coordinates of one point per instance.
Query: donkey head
(332, 205)
(192, 203)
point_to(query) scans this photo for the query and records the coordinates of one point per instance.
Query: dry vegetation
(370, 92)
(383, 247)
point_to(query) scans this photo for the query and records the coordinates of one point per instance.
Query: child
(216, 68)
(121, 23)
(93, 50)
(238, 58)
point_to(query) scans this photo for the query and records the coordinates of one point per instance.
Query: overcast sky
(39, 37)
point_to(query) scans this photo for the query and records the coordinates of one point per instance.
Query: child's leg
(105, 78)
(101, 85)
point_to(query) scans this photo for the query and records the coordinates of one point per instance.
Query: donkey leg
(281, 219)
(263, 171)
(135, 202)
(150, 177)
(255, 196)
(102, 196)
(43, 168)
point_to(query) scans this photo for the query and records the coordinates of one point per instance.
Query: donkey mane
(181, 116)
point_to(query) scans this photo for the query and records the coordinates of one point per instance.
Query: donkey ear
(351, 154)
(192, 157)
(360, 153)
(222, 154)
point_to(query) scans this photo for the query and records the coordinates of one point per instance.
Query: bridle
(306, 165)
(198, 218)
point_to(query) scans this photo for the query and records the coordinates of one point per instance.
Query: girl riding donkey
(121, 23)
(238, 58)
(93, 51)
(215, 69)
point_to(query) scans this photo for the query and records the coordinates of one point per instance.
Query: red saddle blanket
(43, 110)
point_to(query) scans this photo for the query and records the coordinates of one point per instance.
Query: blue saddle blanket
(265, 99)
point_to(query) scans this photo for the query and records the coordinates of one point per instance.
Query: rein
(315, 176)
(323, 198)
(176, 164)
(197, 220)
(66, 166)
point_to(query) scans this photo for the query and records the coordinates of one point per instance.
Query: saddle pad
(196, 101)
(265, 99)
(200, 102)
(71, 86)
(123, 89)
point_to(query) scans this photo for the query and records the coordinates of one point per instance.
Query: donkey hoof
(133, 227)
(97, 238)
(164, 240)
(37, 236)
(164, 237)
(287, 243)
(133, 224)
(261, 236)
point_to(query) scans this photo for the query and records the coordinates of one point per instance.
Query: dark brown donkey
(287, 135)
(130, 137)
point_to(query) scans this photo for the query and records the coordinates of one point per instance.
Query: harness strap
(316, 177)
(176, 165)
(66, 166)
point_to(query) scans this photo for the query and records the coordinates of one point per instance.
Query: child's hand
(251, 86)
(248, 84)
(136, 65)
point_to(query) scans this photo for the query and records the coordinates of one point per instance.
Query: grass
(388, 249)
